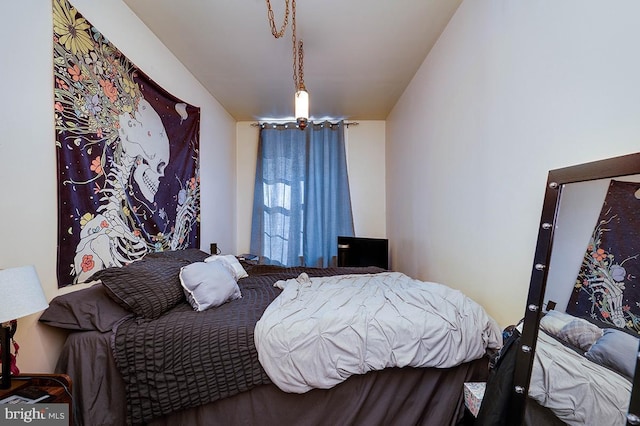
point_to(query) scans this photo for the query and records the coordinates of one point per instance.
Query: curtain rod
(259, 124)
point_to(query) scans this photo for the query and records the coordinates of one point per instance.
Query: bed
(139, 351)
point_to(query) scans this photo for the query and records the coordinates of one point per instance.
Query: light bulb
(302, 107)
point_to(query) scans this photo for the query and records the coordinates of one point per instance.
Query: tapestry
(127, 156)
(606, 288)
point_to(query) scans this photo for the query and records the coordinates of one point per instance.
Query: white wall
(247, 154)
(27, 147)
(367, 174)
(365, 144)
(510, 91)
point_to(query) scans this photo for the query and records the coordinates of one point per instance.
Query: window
(301, 196)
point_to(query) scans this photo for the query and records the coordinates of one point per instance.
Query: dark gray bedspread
(186, 358)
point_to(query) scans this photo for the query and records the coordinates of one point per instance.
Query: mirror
(572, 209)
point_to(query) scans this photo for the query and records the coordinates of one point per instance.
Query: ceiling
(359, 55)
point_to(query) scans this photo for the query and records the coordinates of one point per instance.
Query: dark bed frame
(603, 169)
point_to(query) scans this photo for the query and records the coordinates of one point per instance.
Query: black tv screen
(359, 251)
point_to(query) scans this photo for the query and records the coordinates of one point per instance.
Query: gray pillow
(84, 310)
(207, 285)
(147, 287)
(580, 333)
(616, 350)
(232, 262)
(190, 255)
(553, 321)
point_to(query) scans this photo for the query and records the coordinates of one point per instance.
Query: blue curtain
(301, 196)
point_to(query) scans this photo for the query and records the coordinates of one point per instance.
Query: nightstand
(56, 385)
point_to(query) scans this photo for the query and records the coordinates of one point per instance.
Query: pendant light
(301, 98)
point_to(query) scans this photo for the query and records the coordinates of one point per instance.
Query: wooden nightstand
(56, 385)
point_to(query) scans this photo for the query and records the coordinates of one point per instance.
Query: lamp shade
(302, 104)
(20, 293)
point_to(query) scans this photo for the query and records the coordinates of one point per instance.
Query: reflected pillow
(207, 285)
(616, 350)
(580, 333)
(232, 262)
(84, 310)
(553, 321)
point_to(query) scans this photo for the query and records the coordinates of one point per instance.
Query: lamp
(302, 96)
(21, 295)
(301, 99)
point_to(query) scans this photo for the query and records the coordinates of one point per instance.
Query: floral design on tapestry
(606, 287)
(127, 154)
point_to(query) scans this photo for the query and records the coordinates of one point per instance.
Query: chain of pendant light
(298, 51)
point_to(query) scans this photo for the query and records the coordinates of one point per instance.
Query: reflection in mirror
(575, 358)
(586, 278)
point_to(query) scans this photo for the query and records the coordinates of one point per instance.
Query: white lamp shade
(302, 104)
(20, 293)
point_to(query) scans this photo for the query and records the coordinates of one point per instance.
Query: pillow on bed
(616, 350)
(207, 285)
(148, 287)
(191, 255)
(84, 310)
(553, 321)
(580, 333)
(232, 261)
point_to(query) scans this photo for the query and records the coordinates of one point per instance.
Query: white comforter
(320, 331)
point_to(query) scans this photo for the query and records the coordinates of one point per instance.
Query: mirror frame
(610, 168)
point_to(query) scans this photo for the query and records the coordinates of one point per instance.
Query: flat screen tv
(359, 251)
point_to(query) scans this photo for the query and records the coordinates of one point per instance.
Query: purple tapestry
(607, 288)
(127, 156)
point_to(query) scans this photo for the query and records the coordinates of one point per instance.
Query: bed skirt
(407, 396)
(399, 396)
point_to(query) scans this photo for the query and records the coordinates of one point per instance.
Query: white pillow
(208, 285)
(230, 260)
